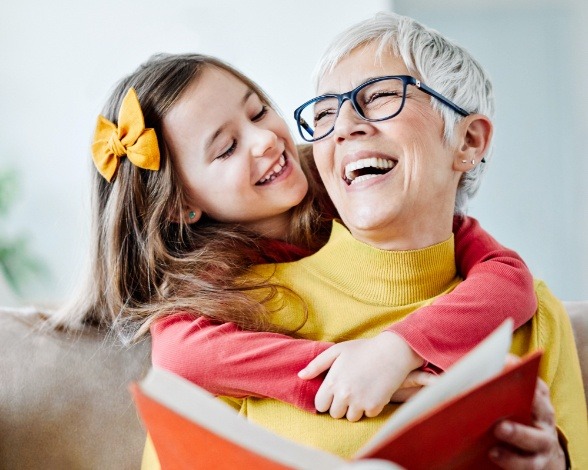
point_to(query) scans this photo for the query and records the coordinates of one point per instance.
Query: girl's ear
(475, 134)
(189, 215)
(192, 215)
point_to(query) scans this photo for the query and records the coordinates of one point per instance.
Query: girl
(200, 181)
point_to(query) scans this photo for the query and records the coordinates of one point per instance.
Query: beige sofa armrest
(64, 401)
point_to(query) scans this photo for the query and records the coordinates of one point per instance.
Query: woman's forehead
(361, 64)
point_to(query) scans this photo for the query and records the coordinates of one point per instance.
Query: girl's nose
(264, 143)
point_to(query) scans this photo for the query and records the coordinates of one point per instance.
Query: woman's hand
(364, 375)
(531, 447)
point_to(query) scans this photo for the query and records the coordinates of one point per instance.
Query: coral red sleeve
(226, 360)
(497, 285)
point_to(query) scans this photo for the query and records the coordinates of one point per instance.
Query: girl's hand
(414, 381)
(363, 375)
(531, 447)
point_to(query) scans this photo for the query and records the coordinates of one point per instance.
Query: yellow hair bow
(129, 139)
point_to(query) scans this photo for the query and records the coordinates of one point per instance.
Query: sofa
(64, 399)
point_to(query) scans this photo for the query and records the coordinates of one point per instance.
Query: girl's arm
(497, 285)
(226, 360)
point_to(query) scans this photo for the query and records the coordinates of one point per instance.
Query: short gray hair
(440, 63)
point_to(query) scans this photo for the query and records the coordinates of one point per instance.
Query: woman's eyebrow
(363, 80)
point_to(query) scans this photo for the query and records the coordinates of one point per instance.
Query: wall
(534, 198)
(60, 60)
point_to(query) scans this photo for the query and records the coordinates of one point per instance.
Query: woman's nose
(349, 124)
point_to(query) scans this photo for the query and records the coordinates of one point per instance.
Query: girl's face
(235, 155)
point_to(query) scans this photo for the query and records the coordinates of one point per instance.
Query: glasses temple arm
(441, 98)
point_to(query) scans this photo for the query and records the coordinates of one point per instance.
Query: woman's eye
(374, 97)
(261, 114)
(323, 114)
(227, 153)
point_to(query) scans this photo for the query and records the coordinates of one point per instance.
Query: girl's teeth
(278, 167)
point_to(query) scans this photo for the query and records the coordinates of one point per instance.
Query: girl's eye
(227, 153)
(259, 116)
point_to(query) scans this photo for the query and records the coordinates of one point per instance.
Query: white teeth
(373, 162)
(363, 178)
(275, 171)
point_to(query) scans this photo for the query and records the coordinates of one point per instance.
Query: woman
(413, 143)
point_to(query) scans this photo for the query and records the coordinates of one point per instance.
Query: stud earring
(464, 161)
(473, 162)
(191, 215)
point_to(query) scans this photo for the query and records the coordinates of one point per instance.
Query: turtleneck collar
(376, 276)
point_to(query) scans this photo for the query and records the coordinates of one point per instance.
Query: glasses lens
(318, 118)
(382, 99)
(377, 101)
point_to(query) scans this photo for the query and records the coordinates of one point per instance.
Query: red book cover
(184, 444)
(458, 434)
(447, 425)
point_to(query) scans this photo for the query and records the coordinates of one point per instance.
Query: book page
(484, 361)
(197, 405)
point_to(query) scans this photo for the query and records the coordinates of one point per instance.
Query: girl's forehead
(214, 91)
(217, 79)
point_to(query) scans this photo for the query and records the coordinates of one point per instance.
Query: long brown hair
(143, 265)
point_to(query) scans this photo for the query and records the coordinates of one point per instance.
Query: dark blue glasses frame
(303, 126)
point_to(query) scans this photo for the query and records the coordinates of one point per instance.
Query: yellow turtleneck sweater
(353, 290)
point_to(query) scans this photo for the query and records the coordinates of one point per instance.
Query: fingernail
(506, 429)
(494, 454)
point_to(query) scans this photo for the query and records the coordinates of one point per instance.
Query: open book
(447, 425)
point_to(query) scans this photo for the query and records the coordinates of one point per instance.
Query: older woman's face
(411, 205)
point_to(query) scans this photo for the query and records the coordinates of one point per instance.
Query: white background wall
(535, 195)
(60, 59)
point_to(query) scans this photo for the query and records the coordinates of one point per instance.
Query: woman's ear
(474, 141)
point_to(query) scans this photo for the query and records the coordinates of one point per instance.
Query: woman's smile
(367, 168)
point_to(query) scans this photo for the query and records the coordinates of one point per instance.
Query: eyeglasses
(377, 99)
